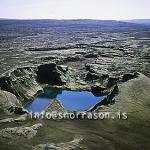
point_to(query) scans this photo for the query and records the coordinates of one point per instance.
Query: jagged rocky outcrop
(56, 106)
(9, 104)
(20, 132)
(25, 82)
(52, 74)
(21, 82)
(129, 76)
(133, 97)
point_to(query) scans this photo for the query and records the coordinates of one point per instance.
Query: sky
(75, 9)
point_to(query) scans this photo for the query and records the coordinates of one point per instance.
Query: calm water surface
(71, 100)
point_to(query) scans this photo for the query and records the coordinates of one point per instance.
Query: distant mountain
(4, 19)
(78, 25)
(139, 21)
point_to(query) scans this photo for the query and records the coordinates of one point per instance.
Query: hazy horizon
(71, 19)
(75, 9)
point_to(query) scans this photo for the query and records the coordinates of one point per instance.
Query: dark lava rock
(114, 91)
(129, 76)
(112, 81)
(91, 55)
(91, 76)
(81, 52)
(89, 68)
(98, 89)
(95, 75)
(50, 74)
(5, 84)
(111, 93)
(76, 57)
(48, 58)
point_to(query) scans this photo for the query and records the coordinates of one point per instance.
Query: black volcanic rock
(91, 76)
(50, 74)
(98, 89)
(5, 84)
(112, 81)
(129, 76)
(91, 55)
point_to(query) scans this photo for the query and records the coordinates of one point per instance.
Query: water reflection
(71, 100)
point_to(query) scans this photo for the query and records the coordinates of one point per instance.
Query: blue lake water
(71, 100)
(38, 105)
